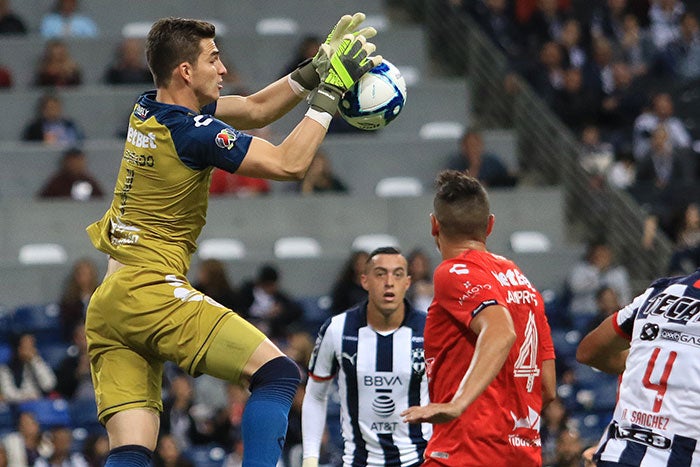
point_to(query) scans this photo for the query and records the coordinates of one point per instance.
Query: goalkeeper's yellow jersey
(161, 195)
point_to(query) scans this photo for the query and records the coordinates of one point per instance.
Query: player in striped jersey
(655, 420)
(376, 351)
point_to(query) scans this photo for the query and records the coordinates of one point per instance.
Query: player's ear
(184, 71)
(489, 227)
(363, 282)
(434, 225)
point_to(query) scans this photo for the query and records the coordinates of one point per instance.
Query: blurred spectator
(212, 280)
(570, 40)
(129, 66)
(487, 167)
(623, 171)
(72, 179)
(62, 455)
(664, 21)
(661, 112)
(66, 21)
(50, 125)
(77, 290)
(320, 177)
(598, 72)
(499, 25)
(662, 165)
(621, 106)
(3, 456)
(10, 22)
(683, 54)
(569, 449)
(636, 47)
(57, 67)
(587, 276)
(420, 293)
(223, 183)
(267, 306)
(26, 376)
(555, 419)
(607, 20)
(169, 454)
(307, 48)
(545, 24)
(574, 103)
(598, 155)
(227, 423)
(235, 457)
(179, 418)
(5, 77)
(73, 380)
(688, 231)
(607, 304)
(26, 445)
(95, 449)
(546, 74)
(347, 290)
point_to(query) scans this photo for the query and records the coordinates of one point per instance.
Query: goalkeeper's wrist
(304, 78)
(325, 98)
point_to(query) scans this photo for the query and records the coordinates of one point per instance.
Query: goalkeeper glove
(347, 65)
(307, 75)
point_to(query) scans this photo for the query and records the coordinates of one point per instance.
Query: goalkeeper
(146, 312)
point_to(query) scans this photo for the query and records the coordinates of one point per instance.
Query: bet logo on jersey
(650, 331)
(225, 139)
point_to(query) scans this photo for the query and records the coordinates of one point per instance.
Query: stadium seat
(221, 248)
(53, 353)
(529, 241)
(5, 353)
(316, 310)
(276, 26)
(48, 412)
(206, 456)
(297, 247)
(8, 421)
(43, 321)
(83, 414)
(369, 242)
(398, 186)
(441, 130)
(42, 253)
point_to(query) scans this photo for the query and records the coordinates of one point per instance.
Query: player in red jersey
(488, 346)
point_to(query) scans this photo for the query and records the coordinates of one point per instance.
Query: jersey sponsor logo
(225, 139)
(201, 120)
(383, 406)
(348, 357)
(122, 234)
(511, 278)
(381, 381)
(650, 331)
(675, 309)
(142, 160)
(418, 361)
(680, 337)
(643, 436)
(472, 290)
(140, 111)
(181, 292)
(459, 269)
(141, 140)
(526, 430)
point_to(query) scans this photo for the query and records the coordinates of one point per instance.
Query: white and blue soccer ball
(376, 99)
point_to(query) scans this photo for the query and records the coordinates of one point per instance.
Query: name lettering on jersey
(141, 160)
(459, 269)
(521, 296)
(512, 278)
(122, 234)
(646, 419)
(382, 381)
(675, 309)
(141, 140)
(680, 337)
(124, 196)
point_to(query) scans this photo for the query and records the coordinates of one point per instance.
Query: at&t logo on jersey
(225, 139)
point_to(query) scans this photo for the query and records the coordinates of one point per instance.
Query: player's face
(208, 73)
(386, 280)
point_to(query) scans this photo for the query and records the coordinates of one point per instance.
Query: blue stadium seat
(8, 420)
(41, 320)
(53, 353)
(317, 309)
(5, 323)
(565, 344)
(206, 456)
(48, 412)
(5, 353)
(83, 414)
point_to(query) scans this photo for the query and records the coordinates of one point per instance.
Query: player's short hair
(172, 41)
(383, 250)
(461, 205)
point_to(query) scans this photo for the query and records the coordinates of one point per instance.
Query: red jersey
(501, 427)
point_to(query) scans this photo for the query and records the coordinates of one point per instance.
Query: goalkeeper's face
(208, 73)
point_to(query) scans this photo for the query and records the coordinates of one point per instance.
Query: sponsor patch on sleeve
(225, 139)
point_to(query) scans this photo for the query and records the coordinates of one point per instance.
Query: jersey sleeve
(623, 320)
(323, 365)
(204, 141)
(465, 289)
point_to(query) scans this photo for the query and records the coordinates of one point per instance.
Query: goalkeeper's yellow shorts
(139, 318)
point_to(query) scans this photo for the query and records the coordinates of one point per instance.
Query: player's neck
(382, 322)
(171, 95)
(458, 248)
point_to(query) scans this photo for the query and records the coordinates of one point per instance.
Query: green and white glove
(346, 66)
(308, 74)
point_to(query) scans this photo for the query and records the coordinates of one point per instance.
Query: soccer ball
(376, 99)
